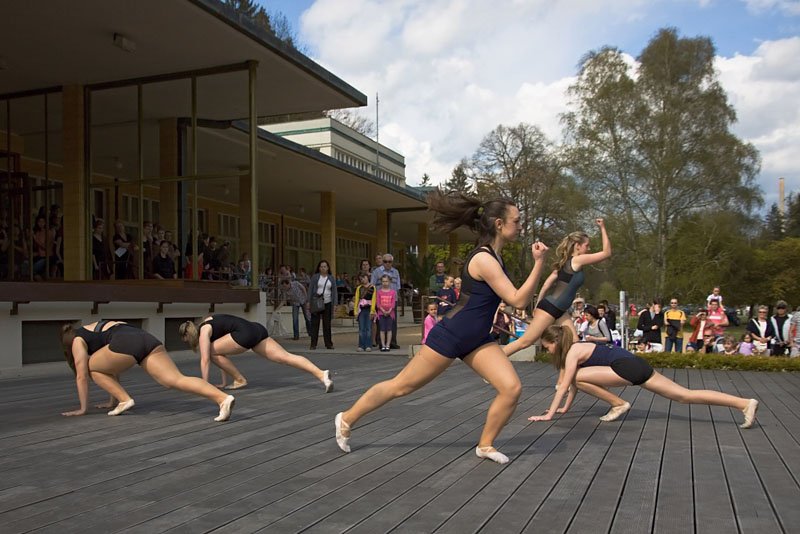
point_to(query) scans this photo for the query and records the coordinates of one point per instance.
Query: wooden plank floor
(166, 466)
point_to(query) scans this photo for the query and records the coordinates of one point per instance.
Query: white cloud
(450, 71)
(789, 7)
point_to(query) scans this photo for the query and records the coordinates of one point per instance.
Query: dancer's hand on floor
(546, 416)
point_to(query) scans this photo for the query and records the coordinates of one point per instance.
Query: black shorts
(635, 370)
(550, 308)
(133, 341)
(249, 335)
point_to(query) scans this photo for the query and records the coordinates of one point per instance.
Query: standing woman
(221, 335)
(572, 255)
(106, 349)
(614, 366)
(322, 296)
(464, 331)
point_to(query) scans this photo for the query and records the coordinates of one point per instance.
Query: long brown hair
(67, 337)
(189, 330)
(455, 209)
(567, 247)
(562, 337)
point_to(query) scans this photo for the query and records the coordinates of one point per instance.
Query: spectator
(596, 329)
(446, 296)
(674, 319)
(650, 322)
(245, 269)
(302, 276)
(149, 248)
(701, 326)
(174, 253)
(436, 281)
(387, 268)
(794, 333)
(457, 287)
(502, 325)
(781, 323)
(386, 306)
(378, 263)
(123, 252)
(364, 267)
(717, 317)
(609, 316)
(296, 296)
(163, 264)
(715, 295)
(761, 329)
(57, 235)
(431, 320)
(746, 345)
(729, 346)
(578, 317)
(365, 298)
(100, 264)
(322, 297)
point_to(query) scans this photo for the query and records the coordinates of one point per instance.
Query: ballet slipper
(750, 413)
(122, 407)
(327, 381)
(492, 454)
(225, 409)
(616, 412)
(341, 427)
(237, 384)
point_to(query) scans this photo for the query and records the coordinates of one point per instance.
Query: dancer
(464, 331)
(614, 366)
(221, 335)
(105, 349)
(567, 277)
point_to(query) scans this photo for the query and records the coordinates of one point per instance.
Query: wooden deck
(275, 467)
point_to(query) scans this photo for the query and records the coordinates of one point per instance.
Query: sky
(449, 71)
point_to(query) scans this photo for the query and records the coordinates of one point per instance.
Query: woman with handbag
(322, 296)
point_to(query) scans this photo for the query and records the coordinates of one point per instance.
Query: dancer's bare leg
(423, 368)
(160, 366)
(491, 364)
(220, 350)
(273, 351)
(110, 384)
(105, 367)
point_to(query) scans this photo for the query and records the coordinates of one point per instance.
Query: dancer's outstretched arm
(567, 381)
(493, 275)
(81, 356)
(205, 353)
(582, 260)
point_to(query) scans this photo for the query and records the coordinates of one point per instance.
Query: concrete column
(168, 166)
(422, 239)
(453, 242)
(327, 223)
(245, 217)
(381, 233)
(76, 227)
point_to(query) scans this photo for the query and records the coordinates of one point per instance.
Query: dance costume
(121, 338)
(245, 333)
(558, 301)
(632, 368)
(466, 326)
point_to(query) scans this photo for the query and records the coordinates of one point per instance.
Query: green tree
(426, 180)
(774, 224)
(653, 144)
(460, 178)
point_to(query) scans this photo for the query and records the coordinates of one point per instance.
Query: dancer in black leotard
(464, 331)
(105, 349)
(613, 366)
(221, 335)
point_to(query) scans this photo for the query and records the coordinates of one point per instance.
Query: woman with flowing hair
(611, 366)
(106, 349)
(572, 255)
(221, 335)
(464, 331)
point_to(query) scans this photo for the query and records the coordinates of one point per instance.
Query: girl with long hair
(221, 335)
(106, 349)
(611, 366)
(464, 331)
(572, 255)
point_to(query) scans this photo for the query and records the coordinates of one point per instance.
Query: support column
(75, 224)
(327, 223)
(245, 217)
(453, 242)
(168, 146)
(381, 232)
(422, 239)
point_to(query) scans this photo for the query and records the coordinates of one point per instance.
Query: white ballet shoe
(225, 409)
(341, 427)
(492, 454)
(122, 407)
(616, 412)
(237, 384)
(750, 413)
(327, 381)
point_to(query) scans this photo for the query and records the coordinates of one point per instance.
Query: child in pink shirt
(430, 320)
(385, 300)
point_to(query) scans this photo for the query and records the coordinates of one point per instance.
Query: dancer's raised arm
(484, 267)
(582, 260)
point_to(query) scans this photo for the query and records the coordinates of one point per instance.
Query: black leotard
(246, 334)
(95, 339)
(121, 338)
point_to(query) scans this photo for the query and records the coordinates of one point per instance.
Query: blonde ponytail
(188, 332)
(566, 248)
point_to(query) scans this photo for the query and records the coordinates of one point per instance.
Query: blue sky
(449, 71)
